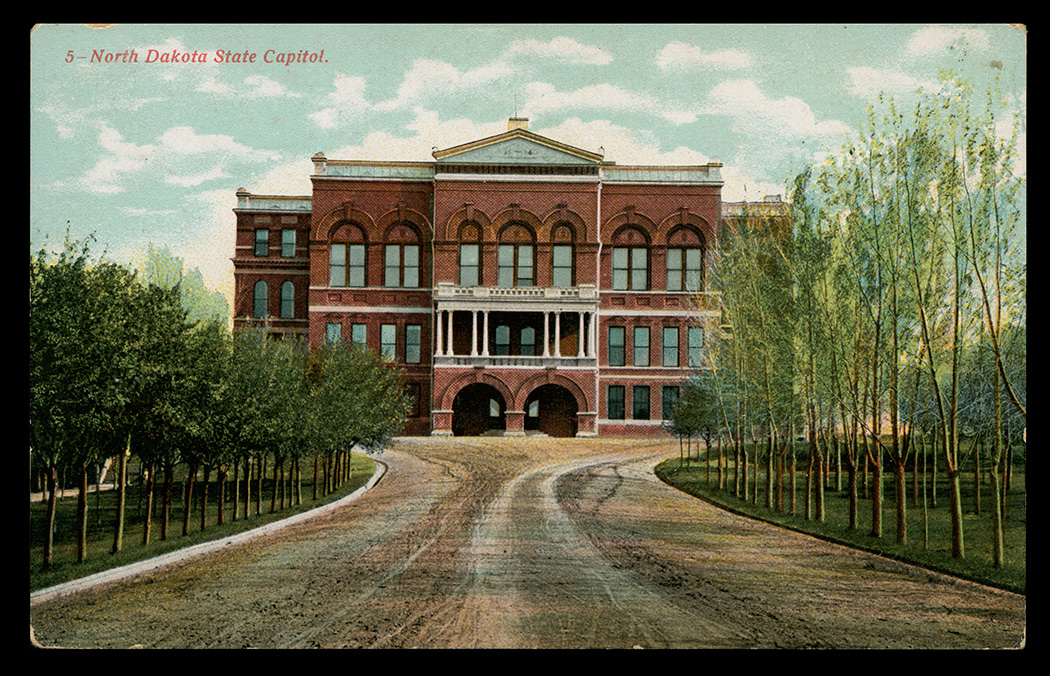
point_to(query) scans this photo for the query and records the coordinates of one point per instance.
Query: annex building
(522, 284)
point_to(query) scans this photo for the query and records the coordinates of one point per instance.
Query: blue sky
(153, 152)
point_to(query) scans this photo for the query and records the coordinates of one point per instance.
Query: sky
(152, 151)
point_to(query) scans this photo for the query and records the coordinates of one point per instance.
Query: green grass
(102, 517)
(691, 476)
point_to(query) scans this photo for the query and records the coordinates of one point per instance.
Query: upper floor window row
(262, 242)
(347, 265)
(630, 269)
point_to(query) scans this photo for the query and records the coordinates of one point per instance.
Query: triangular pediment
(518, 146)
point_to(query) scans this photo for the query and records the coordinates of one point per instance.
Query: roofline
(440, 155)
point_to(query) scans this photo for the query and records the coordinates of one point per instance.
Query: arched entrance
(477, 409)
(551, 409)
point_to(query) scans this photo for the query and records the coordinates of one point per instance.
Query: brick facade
(495, 276)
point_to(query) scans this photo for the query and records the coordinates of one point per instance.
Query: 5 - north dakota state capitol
(523, 285)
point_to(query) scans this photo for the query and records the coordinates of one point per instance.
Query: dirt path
(532, 543)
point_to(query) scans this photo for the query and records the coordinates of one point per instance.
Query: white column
(557, 335)
(473, 333)
(579, 337)
(485, 336)
(440, 342)
(546, 334)
(450, 341)
(594, 334)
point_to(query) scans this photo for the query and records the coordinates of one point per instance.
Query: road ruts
(533, 543)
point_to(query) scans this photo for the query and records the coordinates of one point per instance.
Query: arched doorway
(551, 409)
(478, 409)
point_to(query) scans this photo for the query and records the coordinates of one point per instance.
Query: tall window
(684, 269)
(617, 351)
(333, 332)
(561, 274)
(641, 346)
(528, 342)
(346, 265)
(515, 265)
(262, 242)
(287, 300)
(469, 265)
(261, 306)
(413, 343)
(696, 346)
(501, 347)
(388, 341)
(402, 266)
(615, 402)
(359, 334)
(288, 243)
(670, 346)
(668, 399)
(630, 268)
(640, 402)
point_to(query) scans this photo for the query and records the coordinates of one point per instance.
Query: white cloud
(122, 159)
(867, 82)
(937, 40)
(544, 98)
(429, 76)
(623, 145)
(346, 101)
(562, 49)
(760, 117)
(679, 55)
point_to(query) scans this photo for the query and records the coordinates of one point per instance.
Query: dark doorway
(478, 409)
(551, 409)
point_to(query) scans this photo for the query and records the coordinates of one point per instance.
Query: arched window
(261, 306)
(516, 256)
(470, 255)
(287, 300)
(346, 257)
(401, 257)
(528, 342)
(685, 260)
(563, 273)
(502, 342)
(630, 260)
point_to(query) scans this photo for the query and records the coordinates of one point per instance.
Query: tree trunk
(166, 507)
(204, 496)
(187, 502)
(49, 525)
(147, 519)
(122, 472)
(82, 513)
(222, 494)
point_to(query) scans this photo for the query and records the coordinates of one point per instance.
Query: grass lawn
(101, 518)
(928, 541)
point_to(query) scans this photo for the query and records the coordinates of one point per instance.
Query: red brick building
(521, 283)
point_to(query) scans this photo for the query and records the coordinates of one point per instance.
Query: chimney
(517, 123)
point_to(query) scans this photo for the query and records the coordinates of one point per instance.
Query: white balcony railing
(520, 294)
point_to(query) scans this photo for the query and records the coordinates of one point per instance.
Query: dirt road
(537, 543)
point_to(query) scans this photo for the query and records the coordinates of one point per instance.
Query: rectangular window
(615, 402)
(333, 332)
(617, 351)
(641, 346)
(469, 265)
(359, 334)
(668, 399)
(501, 346)
(696, 346)
(262, 242)
(514, 265)
(630, 269)
(288, 243)
(528, 342)
(640, 402)
(561, 274)
(337, 265)
(411, 273)
(393, 265)
(684, 269)
(670, 346)
(355, 266)
(388, 341)
(413, 343)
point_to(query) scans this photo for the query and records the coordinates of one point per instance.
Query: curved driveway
(534, 543)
